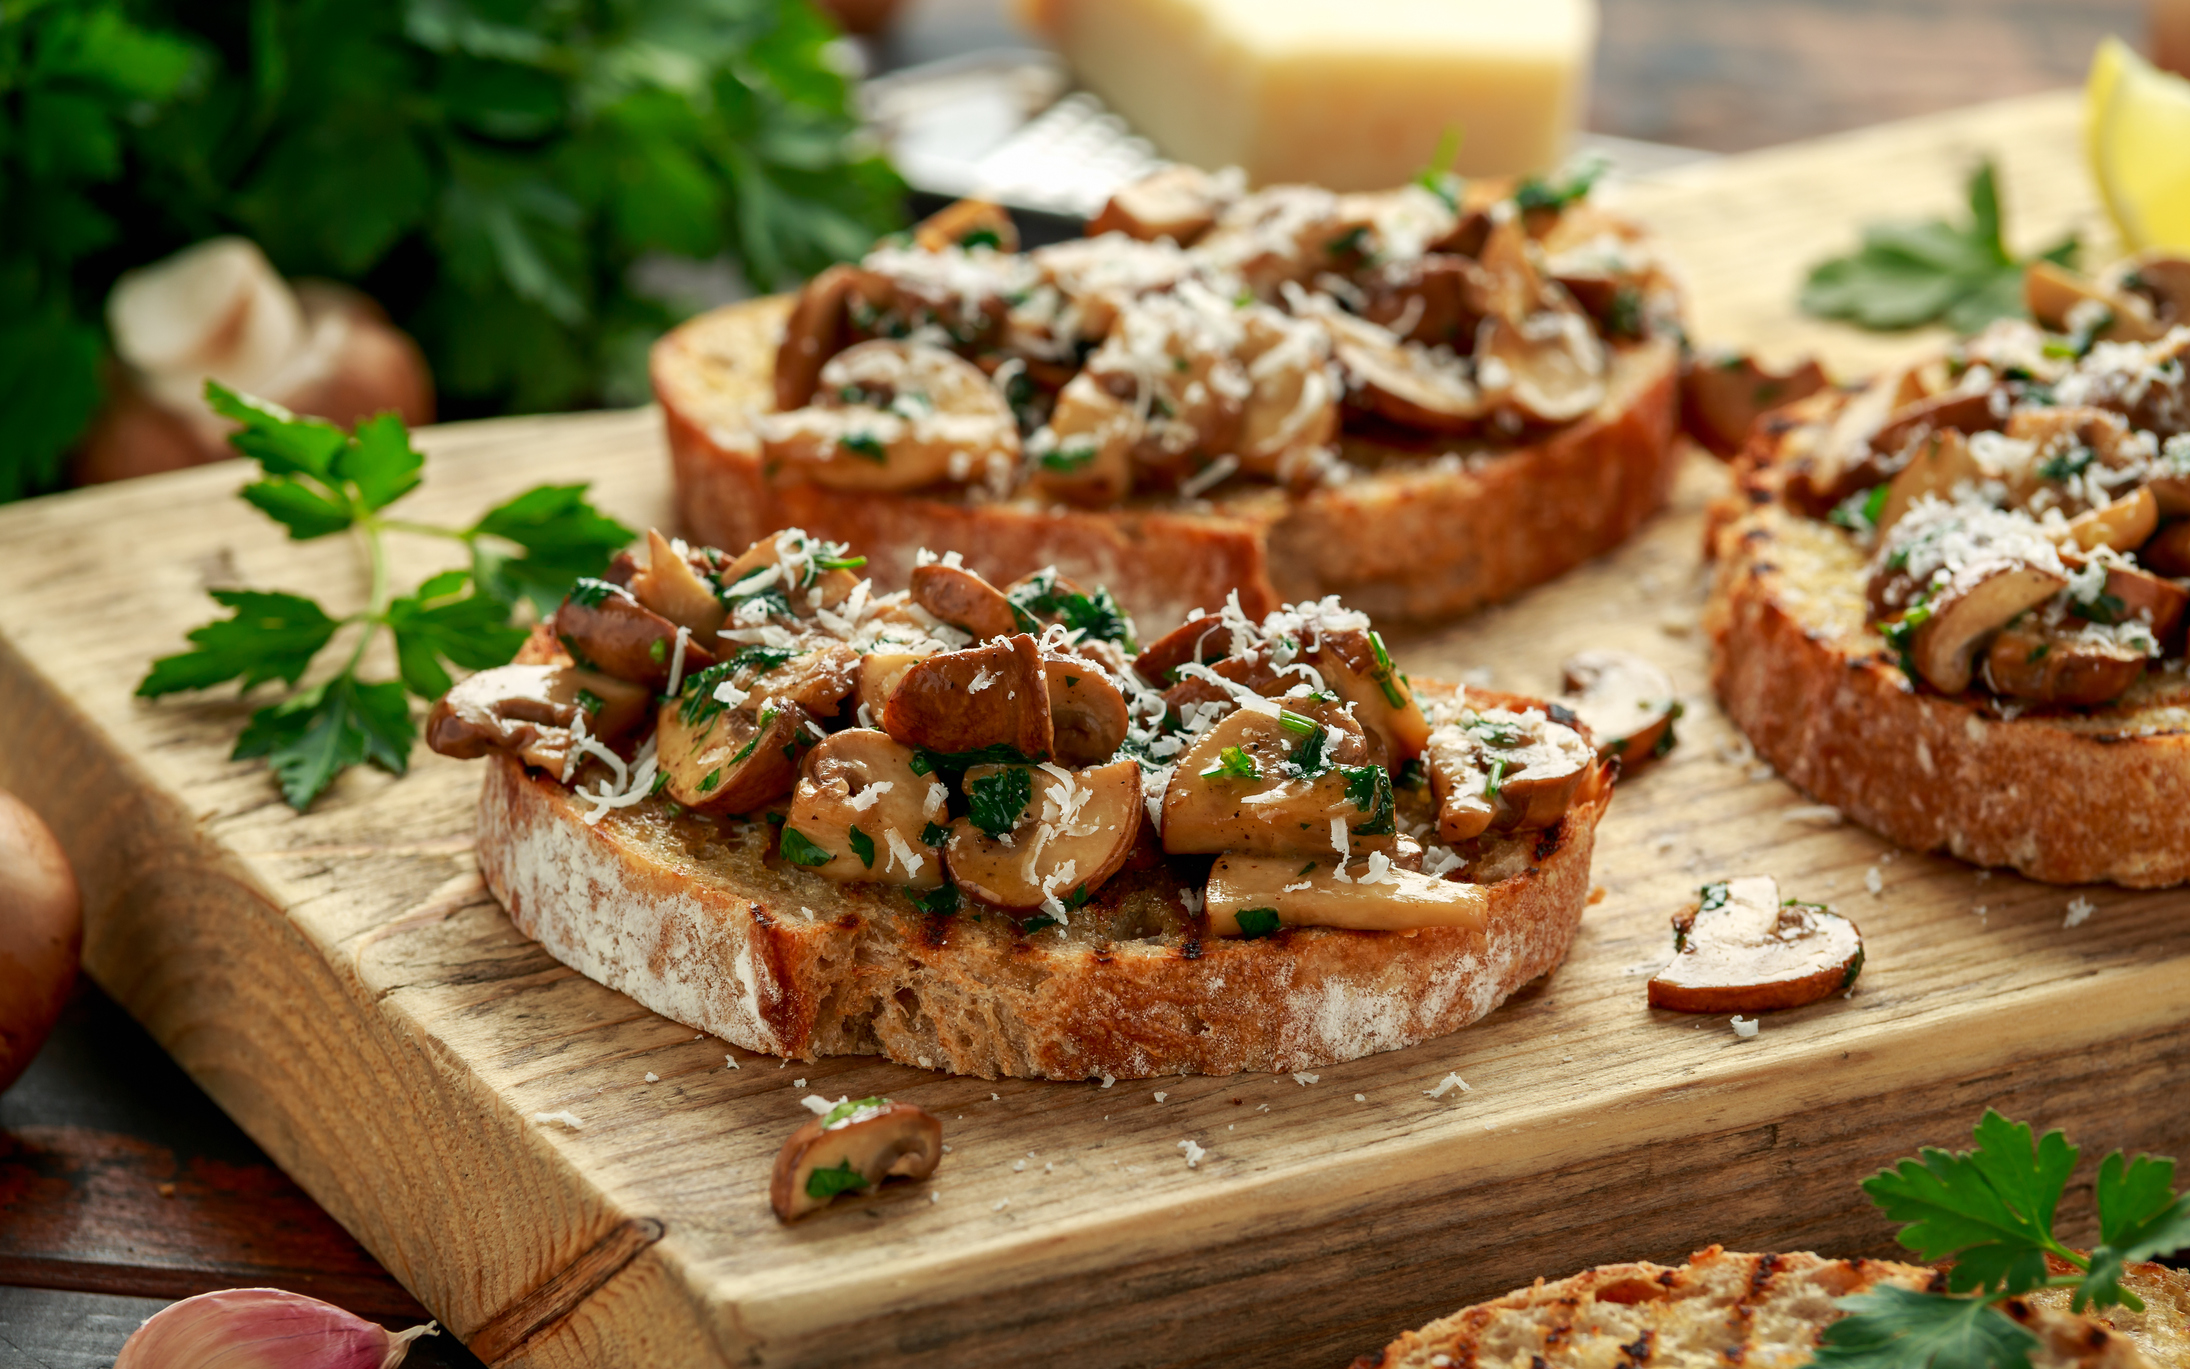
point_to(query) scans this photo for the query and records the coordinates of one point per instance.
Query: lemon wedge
(2137, 123)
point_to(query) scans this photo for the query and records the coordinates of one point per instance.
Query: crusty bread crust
(2065, 796)
(705, 926)
(1755, 1311)
(1416, 537)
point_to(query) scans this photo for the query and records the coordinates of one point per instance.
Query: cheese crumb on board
(1161, 1096)
(1447, 1085)
(568, 1119)
(1361, 1098)
(1304, 1080)
(1193, 1153)
(653, 1078)
(1744, 1027)
(1350, 97)
(1875, 881)
(2080, 910)
(730, 1061)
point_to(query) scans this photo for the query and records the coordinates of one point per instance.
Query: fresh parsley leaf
(1097, 614)
(1990, 1209)
(319, 732)
(471, 632)
(1897, 1328)
(996, 801)
(862, 846)
(1571, 183)
(1308, 757)
(380, 461)
(941, 901)
(934, 834)
(305, 512)
(1370, 789)
(865, 446)
(795, 848)
(1040, 922)
(1907, 274)
(2140, 1216)
(561, 537)
(1068, 459)
(1233, 763)
(926, 762)
(851, 1107)
(828, 1183)
(1255, 923)
(282, 443)
(269, 636)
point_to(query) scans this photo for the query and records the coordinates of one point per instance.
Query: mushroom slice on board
(528, 711)
(983, 696)
(965, 601)
(1084, 454)
(1497, 768)
(862, 812)
(1043, 836)
(1741, 949)
(1087, 713)
(605, 626)
(1627, 703)
(2169, 550)
(894, 416)
(1723, 394)
(1252, 896)
(851, 1149)
(1265, 780)
(1178, 202)
(670, 586)
(717, 759)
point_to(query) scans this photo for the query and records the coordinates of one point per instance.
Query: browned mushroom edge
(1742, 948)
(1002, 751)
(2023, 500)
(1201, 333)
(853, 1147)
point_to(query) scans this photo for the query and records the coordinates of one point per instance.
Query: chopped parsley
(1040, 922)
(827, 1183)
(862, 846)
(657, 651)
(589, 701)
(589, 592)
(865, 446)
(1497, 777)
(1900, 634)
(2106, 609)
(767, 716)
(934, 834)
(2068, 464)
(980, 237)
(1859, 511)
(996, 801)
(852, 1107)
(1233, 763)
(926, 762)
(1370, 788)
(1066, 460)
(796, 849)
(1308, 758)
(941, 901)
(1496, 735)
(1413, 774)
(1255, 923)
(1098, 615)
(714, 777)
(1383, 672)
(1571, 183)
(1349, 243)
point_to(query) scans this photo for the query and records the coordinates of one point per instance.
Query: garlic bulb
(263, 1328)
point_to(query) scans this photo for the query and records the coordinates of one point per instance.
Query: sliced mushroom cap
(816, 674)
(605, 626)
(673, 587)
(1944, 647)
(1170, 358)
(1724, 394)
(1413, 386)
(1252, 896)
(1179, 202)
(819, 328)
(716, 759)
(1964, 411)
(892, 416)
(1084, 454)
(964, 600)
(1841, 461)
(2125, 525)
(2066, 302)
(1742, 949)
(2163, 277)
(1278, 783)
(1201, 639)
(528, 711)
(1433, 299)
(1627, 703)
(958, 701)
(2169, 550)
(1355, 666)
(791, 564)
(967, 224)
(1043, 835)
(1088, 715)
(863, 813)
(1549, 367)
(1943, 464)
(2030, 662)
(1252, 671)
(1496, 768)
(854, 1147)
(880, 673)
(1292, 410)
(2131, 593)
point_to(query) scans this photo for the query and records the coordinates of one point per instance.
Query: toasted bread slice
(703, 923)
(1420, 535)
(2069, 796)
(1760, 1312)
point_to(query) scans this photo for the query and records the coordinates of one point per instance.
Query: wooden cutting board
(344, 986)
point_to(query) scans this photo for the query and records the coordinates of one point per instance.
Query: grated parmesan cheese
(1447, 1085)
(1744, 1027)
(1193, 1153)
(2080, 910)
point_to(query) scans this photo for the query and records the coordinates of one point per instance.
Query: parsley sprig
(1991, 1210)
(1907, 274)
(317, 481)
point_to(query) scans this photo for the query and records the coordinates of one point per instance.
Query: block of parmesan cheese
(1348, 94)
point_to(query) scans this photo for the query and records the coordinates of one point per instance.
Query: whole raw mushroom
(41, 934)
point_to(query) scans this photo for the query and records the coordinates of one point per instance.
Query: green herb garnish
(1438, 177)
(2067, 464)
(1040, 922)
(1573, 182)
(1906, 274)
(926, 762)
(934, 834)
(862, 846)
(941, 901)
(828, 1183)
(1255, 923)
(1370, 789)
(797, 849)
(865, 446)
(318, 480)
(850, 1107)
(1066, 460)
(1859, 511)
(996, 801)
(1991, 1212)
(1233, 763)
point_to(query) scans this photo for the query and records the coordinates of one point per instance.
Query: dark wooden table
(123, 1187)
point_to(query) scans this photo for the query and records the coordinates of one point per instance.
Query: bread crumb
(730, 1061)
(1744, 1027)
(1304, 1080)
(996, 1098)
(167, 1190)
(1108, 1081)
(798, 1083)
(568, 1119)
(2080, 910)
(1361, 1098)
(1814, 814)
(1596, 895)
(946, 1147)
(653, 1078)
(1875, 881)
(1447, 1085)
(1161, 1096)
(1193, 1153)
(934, 1197)
(818, 1105)
(1000, 1205)
(1018, 1166)
(1664, 845)
(1049, 1166)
